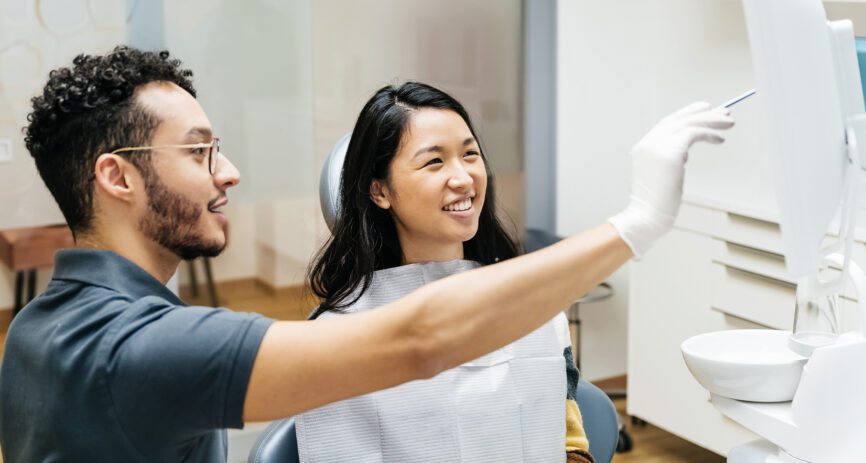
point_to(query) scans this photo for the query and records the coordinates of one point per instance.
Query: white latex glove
(658, 167)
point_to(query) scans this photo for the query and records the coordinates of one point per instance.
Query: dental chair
(279, 442)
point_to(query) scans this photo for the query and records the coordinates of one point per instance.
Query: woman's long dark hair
(365, 237)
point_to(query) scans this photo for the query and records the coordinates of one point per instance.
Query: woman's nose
(459, 179)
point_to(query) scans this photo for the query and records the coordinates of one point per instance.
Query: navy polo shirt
(108, 365)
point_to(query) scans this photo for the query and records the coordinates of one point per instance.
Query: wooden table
(24, 250)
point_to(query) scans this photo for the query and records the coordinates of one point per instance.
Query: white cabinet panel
(769, 264)
(670, 302)
(752, 296)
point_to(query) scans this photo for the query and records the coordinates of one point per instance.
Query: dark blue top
(108, 365)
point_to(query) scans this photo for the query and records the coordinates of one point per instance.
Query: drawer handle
(749, 248)
(751, 221)
(759, 276)
(739, 317)
(739, 247)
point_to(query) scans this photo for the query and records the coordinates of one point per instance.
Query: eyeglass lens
(212, 155)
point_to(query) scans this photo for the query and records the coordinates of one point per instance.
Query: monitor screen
(805, 103)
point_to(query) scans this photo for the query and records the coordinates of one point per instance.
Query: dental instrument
(738, 99)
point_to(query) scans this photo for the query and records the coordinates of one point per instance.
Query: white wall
(622, 65)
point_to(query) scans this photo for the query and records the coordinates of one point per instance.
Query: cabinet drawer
(772, 265)
(756, 233)
(730, 226)
(749, 259)
(754, 297)
(751, 232)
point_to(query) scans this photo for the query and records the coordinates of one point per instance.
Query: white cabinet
(669, 301)
(718, 269)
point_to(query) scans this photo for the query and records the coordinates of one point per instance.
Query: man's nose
(225, 175)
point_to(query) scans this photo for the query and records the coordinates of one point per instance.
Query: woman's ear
(379, 194)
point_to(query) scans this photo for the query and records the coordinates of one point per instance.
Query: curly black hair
(88, 109)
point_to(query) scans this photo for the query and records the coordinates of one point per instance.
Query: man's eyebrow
(200, 132)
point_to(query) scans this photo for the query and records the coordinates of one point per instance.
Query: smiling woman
(414, 157)
(435, 187)
(415, 206)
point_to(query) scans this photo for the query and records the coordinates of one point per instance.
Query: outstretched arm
(303, 365)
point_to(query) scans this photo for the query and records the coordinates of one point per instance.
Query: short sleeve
(181, 371)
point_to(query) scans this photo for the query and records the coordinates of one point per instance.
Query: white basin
(753, 365)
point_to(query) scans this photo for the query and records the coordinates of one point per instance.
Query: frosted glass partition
(256, 63)
(282, 81)
(252, 63)
(35, 37)
(473, 50)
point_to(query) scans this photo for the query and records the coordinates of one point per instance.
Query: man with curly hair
(108, 365)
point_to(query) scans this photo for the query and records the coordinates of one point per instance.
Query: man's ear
(114, 176)
(379, 194)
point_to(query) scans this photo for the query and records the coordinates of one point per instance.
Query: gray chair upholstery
(279, 442)
(599, 420)
(329, 182)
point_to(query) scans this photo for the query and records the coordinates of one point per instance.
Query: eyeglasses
(213, 151)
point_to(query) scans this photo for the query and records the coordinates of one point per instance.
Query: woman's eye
(471, 153)
(433, 161)
(197, 151)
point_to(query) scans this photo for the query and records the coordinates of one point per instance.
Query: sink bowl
(752, 365)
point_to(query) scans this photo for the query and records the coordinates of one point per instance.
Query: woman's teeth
(459, 206)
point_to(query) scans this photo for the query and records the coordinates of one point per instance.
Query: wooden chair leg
(31, 285)
(19, 292)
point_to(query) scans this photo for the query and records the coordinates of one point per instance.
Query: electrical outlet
(5, 150)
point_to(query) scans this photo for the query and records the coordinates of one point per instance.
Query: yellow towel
(575, 436)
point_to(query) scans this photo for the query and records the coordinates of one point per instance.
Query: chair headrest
(329, 181)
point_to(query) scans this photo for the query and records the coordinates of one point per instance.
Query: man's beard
(171, 221)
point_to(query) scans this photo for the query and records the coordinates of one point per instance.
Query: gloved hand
(658, 167)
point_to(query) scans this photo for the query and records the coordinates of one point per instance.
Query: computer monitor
(807, 73)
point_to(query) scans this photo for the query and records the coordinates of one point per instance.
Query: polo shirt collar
(109, 270)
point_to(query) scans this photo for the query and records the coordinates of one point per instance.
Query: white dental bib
(507, 406)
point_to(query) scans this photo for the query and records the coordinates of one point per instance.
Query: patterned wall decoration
(37, 36)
